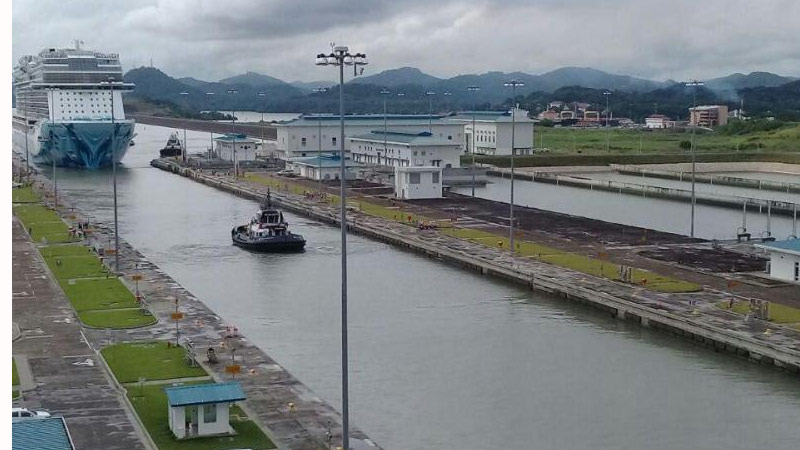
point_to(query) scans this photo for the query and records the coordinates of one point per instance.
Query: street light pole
(319, 92)
(263, 95)
(341, 57)
(513, 84)
(693, 118)
(233, 135)
(384, 92)
(53, 157)
(430, 95)
(114, 175)
(25, 95)
(210, 96)
(185, 146)
(608, 130)
(474, 90)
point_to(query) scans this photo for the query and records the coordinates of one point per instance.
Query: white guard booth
(412, 183)
(784, 259)
(202, 409)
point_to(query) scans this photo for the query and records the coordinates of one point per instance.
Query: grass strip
(778, 313)
(88, 294)
(150, 403)
(573, 261)
(79, 266)
(151, 360)
(116, 318)
(24, 195)
(14, 373)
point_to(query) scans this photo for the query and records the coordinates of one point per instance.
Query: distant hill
(254, 79)
(193, 82)
(593, 78)
(399, 77)
(738, 81)
(308, 86)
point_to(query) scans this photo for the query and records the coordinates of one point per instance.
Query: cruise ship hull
(78, 144)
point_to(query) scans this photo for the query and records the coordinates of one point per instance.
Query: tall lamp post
(233, 134)
(608, 130)
(430, 95)
(514, 84)
(474, 90)
(110, 81)
(53, 157)
(693, 123)
(185, 146)
(25, 109)
(447, 96)
(384, 93)
(340, 56)
(263, 95)
(319, 92)
(210, 97)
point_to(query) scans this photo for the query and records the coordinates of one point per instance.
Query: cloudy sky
(213, 39)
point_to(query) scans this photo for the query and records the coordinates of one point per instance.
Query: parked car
(25, 413)
(287, 173)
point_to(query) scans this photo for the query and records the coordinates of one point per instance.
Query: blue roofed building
(48, 433)
(323, 167)
(784, 259)
(202, 409)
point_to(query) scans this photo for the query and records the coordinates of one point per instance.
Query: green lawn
(14, 374)
(65, 250)
(778, 313)
(573, 261)
(150, 404)
(24, 195)
(44, 224)
(116, 318)
(152, 360)
(86, 294)
(593, 140)
(14, 394)
(83, 266)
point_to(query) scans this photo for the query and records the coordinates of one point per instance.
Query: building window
(797, 271)
(303, 142)
(435, 177)
(415, 153)
(413, 178)
(333, 140)
(210, 413)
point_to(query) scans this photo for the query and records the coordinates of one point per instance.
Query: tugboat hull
(272, 244)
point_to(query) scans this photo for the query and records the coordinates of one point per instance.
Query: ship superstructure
(69, 108)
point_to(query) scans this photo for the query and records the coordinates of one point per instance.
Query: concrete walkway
(52, 357)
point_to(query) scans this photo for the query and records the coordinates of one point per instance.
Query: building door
(797, 271)
(191, 420)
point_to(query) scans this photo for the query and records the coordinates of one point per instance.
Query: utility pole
(233, 135)
(319, 92)
(184, 148)
(608, 130)
(693, 122)
(430, 95)
(474, 90)
(210, 96)
(384, 93)
(513, 84)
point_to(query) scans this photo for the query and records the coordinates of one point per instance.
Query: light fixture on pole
(319, 92)
(110, 81)
(384, 93)
(514, 84)
(430, 95)
(233, 134)
(340, 56)
(185, 146)
(608, 136)
(210, 97)
(263, 95)
(693, 123)
(474, 90)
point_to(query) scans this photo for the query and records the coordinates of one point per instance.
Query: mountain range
(155, 85)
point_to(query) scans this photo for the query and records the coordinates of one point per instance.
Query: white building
(201, 409)
(784, 259)
(245, 147)
(493, 131)
(404, 149)
(305, 135)
(325, 167)
(411, 183)
(658, 121)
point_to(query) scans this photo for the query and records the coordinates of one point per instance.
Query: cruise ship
(69, 108)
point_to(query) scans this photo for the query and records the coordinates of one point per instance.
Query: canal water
(441, 358)
(673, 216)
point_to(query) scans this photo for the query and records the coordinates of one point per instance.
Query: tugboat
(267, 232)
(173, 147)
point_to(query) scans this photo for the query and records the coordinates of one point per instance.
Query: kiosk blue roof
(48, 433)
(200, 394)
(787, 246)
